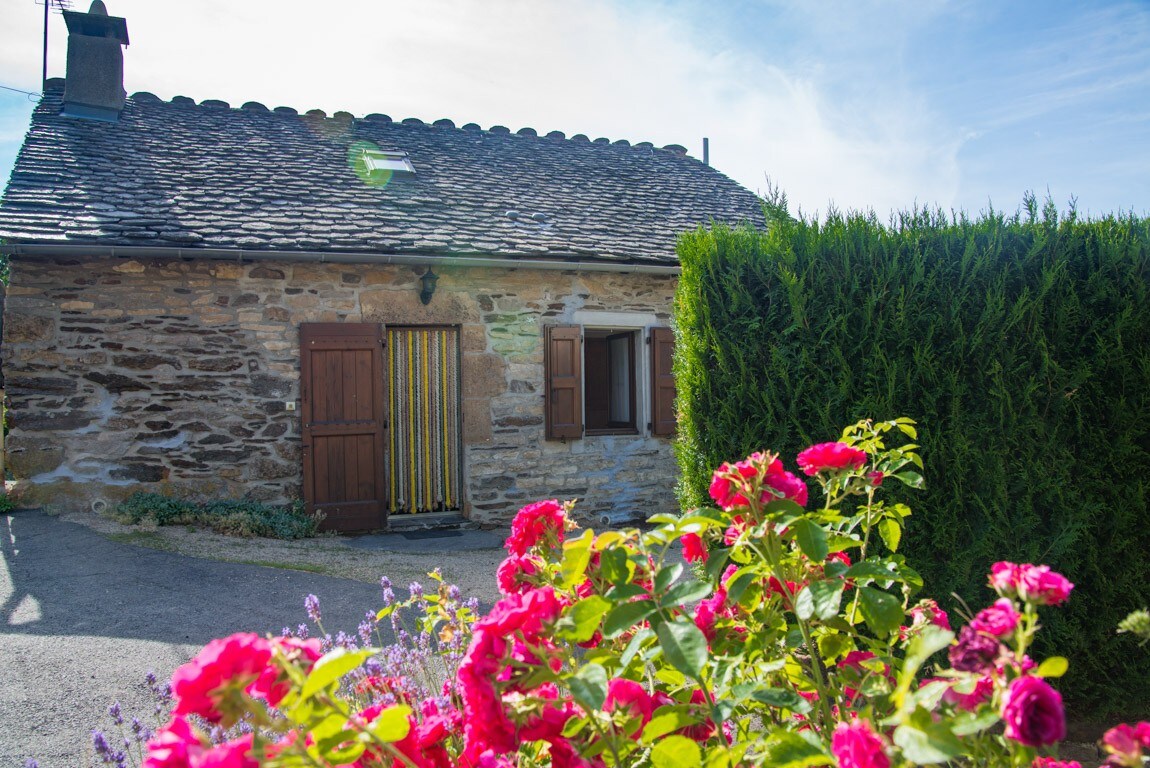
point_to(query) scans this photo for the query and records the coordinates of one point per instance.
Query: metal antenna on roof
(60, 6)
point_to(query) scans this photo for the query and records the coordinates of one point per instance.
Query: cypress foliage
(1020, 345)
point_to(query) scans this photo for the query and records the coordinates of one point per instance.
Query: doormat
(432, 533)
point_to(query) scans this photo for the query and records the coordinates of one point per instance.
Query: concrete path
(83, 618)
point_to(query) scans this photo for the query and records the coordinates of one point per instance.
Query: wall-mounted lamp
(428, 286)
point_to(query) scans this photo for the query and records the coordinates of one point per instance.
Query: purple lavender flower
(975, 651)
(388, 596)
(311, 605)
(366, 628)
(100, 744)
(31, 763)
(416, 590)
(301, 632)
(285, 632)
(384, 582)
(150, 679)
(453, 593)
(114, 713)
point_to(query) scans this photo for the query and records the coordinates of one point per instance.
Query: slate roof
(187, 175)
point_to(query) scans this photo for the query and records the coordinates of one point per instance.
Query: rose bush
(796, 641)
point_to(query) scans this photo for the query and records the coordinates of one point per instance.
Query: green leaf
(833, 646)
(819, 598)
(589, 686)
(676, 752)
(871, 569)
(615, 566)
(784, 749)
(668, 721)
(576, 557)
(1055, 666)
(934, 743)
(970, 723)
(881, 610)
(622, 592)
(685, 592)
(739, 581)
(587, 614)
(913, 479)
(623, 617)
(665, 577)
(331, 668)
(781, 697)
(392, 724)
(891, 533)
(327, 727)
(633, 647)
(812, 539)
(929, 641)
(684, 646)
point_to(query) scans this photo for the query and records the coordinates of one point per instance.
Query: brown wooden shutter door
(563, 385)
(662, 382)
(343, 394)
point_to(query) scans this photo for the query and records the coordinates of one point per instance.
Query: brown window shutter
(662, 382)
(563, 385)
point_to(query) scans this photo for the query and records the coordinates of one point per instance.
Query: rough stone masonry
(172, 376)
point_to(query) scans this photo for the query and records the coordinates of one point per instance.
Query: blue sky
(859, 104)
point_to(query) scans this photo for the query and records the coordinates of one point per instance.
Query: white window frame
(640, 323)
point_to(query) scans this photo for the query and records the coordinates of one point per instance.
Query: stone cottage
(381, 317)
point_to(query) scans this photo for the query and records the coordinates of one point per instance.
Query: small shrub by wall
(234, 518)
(1020, 345)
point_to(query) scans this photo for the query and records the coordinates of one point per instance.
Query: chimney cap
(97, 23)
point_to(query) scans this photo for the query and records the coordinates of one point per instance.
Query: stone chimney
(94, 84)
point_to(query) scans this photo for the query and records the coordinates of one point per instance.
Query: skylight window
(380, 162)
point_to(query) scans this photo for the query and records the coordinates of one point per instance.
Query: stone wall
(173, 375)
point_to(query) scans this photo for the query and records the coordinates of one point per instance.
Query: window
(599, 381)
(609, 381)
(378, 161)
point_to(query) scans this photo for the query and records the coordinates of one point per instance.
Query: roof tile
(185, 175)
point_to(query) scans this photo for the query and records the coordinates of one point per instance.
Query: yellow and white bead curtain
(424, 455)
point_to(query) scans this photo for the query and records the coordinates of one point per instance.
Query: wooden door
(343, 393)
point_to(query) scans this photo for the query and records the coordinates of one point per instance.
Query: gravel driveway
(85, 617)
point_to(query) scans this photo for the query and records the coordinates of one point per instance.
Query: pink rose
(1123, 746)
(1142, 731)
(830, 456)
(785, 483)
(533, 523)
(232, 754)
(694, 550)
(513, 573)
(629, 695)
(174, 746)
(1032, 712)
(1004, 578)
(1038, 584)
(1050, 762)
(926, 612)
(726, 488)
(999, 619)
(273, 683)
(729, 482)
(982, 692)
(856, 745)
(230, 662)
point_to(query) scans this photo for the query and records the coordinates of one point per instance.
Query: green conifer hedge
(1020, 345)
